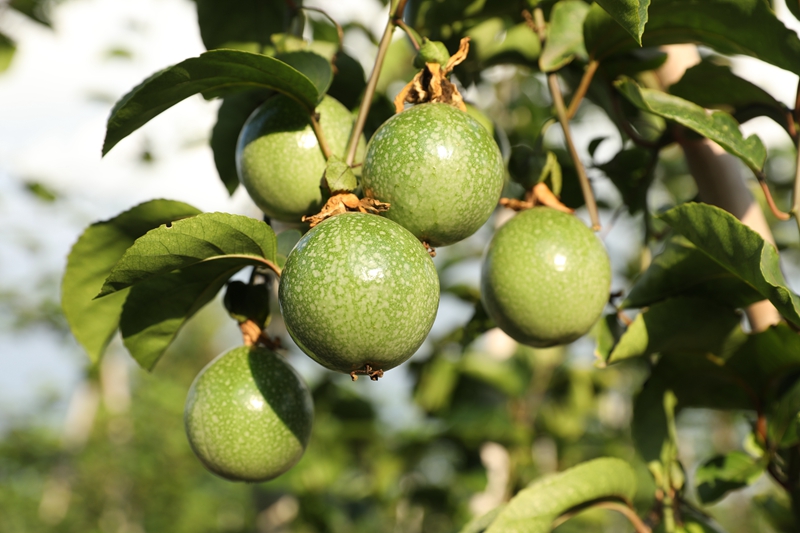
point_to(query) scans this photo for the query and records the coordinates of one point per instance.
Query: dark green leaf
(510, 376)
(715, 125)
(313, 66)
(38, 10)
(724, 473)
(234, 24)
(747, 27)
(739, 250)
(714, 86)
(7, 50)
(682, 269)
(213, 73)
(564, 35)
(679, 324)
(766, 359)
(630, 14)
(436, 384)
(606, 333)
(784, 419)
(208, 236)
(286, 241)
(157, 308)
(794, 7)
(247, 301)
(232, 115)
(535, 507)
(631, 173)
(93, 322)
(633, 62)
(349, 81)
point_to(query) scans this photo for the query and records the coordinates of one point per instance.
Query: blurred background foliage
(483, 417)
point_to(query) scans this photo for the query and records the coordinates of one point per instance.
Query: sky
(54, 102)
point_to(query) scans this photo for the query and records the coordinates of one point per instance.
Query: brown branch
(796, 191)
(627, 512)
(580, 92)
(408, 30)
(323, 144)
(762, 180)
(586, 187)
(339, 30)
(369, 92)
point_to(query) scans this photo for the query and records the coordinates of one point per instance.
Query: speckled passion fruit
(278, 158)
(359, 290)
(545, 277)
(440, 170)
(248, 415)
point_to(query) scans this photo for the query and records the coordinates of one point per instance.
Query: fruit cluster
(359, 292)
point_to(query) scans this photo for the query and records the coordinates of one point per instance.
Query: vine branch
(796, 191)
(637, 523)
(369, 92)
(762, 181)
(323, 143)
(586, 187)
(580, 92)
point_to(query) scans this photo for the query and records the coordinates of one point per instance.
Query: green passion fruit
(438, 168)
(248, 415)
(279, 160)
(359, 293)
(545, 278)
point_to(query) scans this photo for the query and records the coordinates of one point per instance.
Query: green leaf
(535, 507)
(766, 359)
(286, 241)
(7, 50)
(714, 86)
(93, 322)
(794, 7)
(682, 269)
(247, 301)
(630, 14)
(496, 42)
(783, 422)
(747, 27)
(678, 324)
(437, 381)
(631, 172)
(232, 24)
(715, 125)
(313, 66)
(349, 80)
(480, 523)
(724, 473)
(510, 376)
(739, 250)
(157, 308)
(564, 35)
(339, 176)
(231, 116)
(205, 237)
(214, 73)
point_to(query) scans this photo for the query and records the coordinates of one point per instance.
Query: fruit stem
(369, 92)
(339, 30)
(586, 187)
(796, 192)
(406, 28)
(591, 68)
(323, 143)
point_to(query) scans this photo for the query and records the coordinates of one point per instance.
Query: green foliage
(564, 36)
(630, 14)
(303, 75)
(93, 322)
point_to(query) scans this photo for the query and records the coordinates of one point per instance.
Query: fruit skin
(440, 170)
(248, 415)
(545, 278)
(278, 158)
(359, 290)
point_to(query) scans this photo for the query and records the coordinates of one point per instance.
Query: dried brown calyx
(344, 203)
(431, 83)
(540, 194)
(374, 374)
